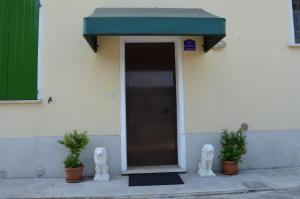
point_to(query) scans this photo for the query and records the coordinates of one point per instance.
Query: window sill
(21, 102)
(294, 45)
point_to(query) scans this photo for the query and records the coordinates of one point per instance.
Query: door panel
(151, 104)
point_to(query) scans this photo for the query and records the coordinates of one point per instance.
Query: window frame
(292, 27)
(39, 63)
(40, 47)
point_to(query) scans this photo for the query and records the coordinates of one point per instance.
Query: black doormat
(152, 179)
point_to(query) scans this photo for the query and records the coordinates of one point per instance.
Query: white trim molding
(294, 45)
(20, 101)
(180, 94)
(40, 50)
(123, 107)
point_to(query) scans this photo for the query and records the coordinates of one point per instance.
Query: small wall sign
(189, 45)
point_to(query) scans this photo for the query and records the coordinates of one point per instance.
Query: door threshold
(153, 169)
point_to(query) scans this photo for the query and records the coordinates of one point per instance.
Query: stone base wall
(20, 157)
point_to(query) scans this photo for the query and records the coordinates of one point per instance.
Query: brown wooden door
(151, 104)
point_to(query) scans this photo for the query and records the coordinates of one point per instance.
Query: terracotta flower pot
(230, 167)
(74, 174)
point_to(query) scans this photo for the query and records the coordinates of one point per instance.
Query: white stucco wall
(254, 79)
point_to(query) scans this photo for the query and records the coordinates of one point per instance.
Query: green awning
(154, 22)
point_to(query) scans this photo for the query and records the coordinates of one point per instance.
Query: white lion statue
(205, 165)
(101, 168)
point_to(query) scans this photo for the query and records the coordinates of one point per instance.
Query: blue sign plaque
(189, 45)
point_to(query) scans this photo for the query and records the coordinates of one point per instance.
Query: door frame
(181, 148)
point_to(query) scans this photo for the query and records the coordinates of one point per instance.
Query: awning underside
(154, 22)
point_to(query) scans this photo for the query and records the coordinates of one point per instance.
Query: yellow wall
(255, 79)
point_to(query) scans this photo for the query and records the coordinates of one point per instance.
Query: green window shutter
(21, 64)
(4, 23)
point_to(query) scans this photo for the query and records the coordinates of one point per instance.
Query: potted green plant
(75, 142)
(234, 147)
